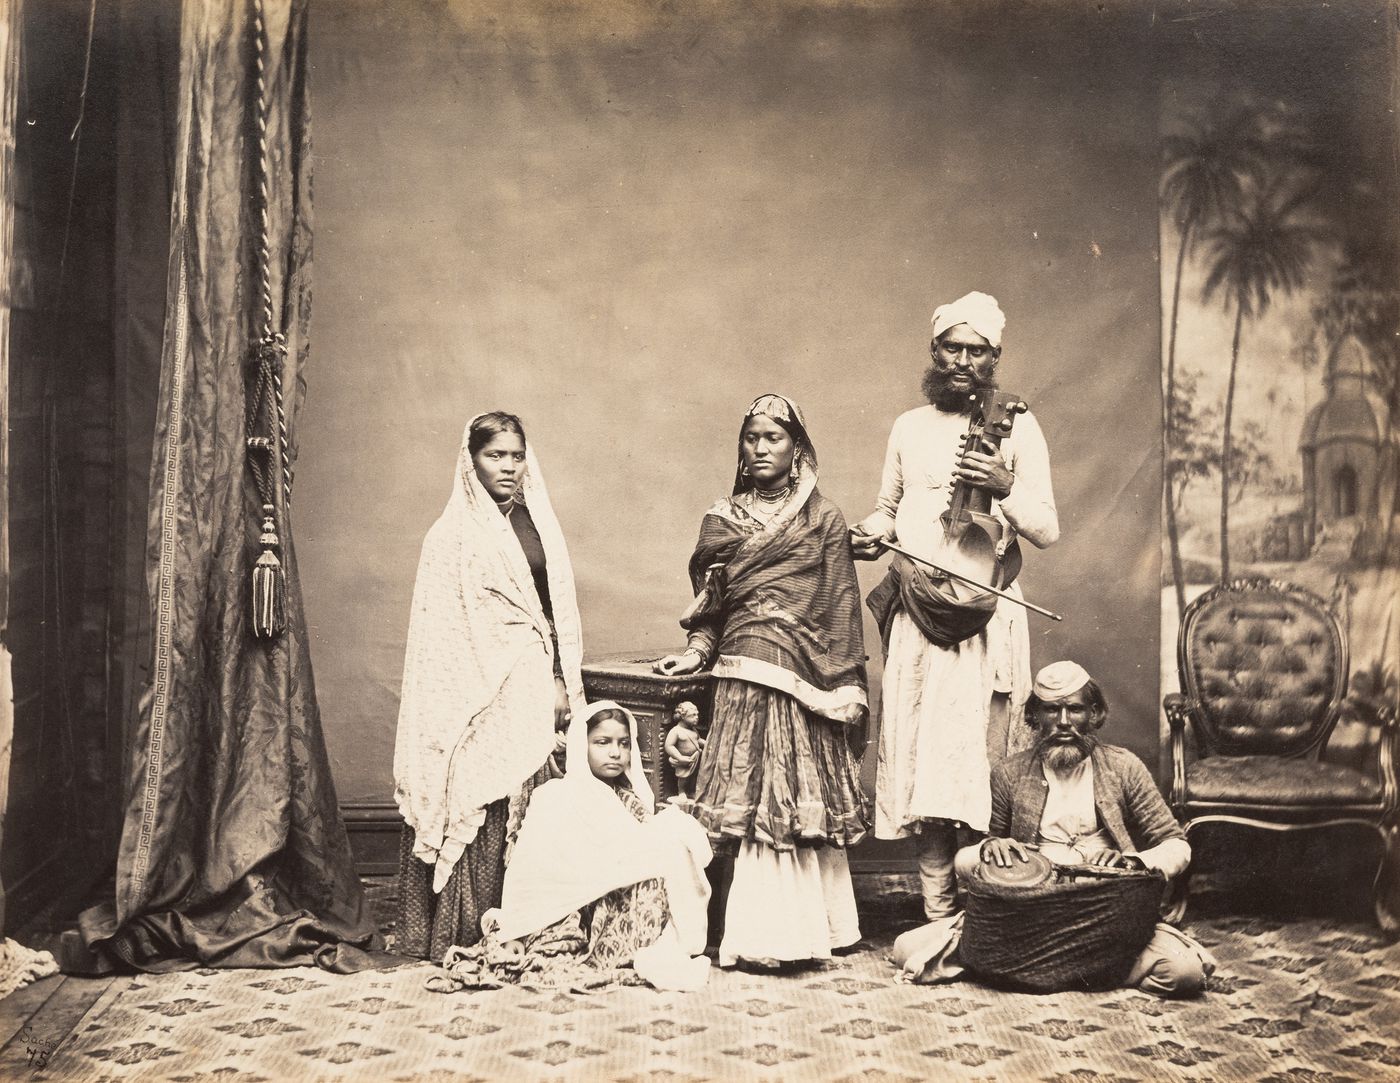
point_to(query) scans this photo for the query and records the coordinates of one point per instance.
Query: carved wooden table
(628, 679)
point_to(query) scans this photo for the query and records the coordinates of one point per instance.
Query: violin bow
(969, 581)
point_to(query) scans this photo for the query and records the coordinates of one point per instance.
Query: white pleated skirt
(788, 905)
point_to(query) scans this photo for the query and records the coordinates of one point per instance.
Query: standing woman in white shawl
(491, 675)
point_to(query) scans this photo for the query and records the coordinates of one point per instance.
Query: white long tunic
(933, 760)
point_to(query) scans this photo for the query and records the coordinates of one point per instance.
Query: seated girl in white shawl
(597, 883)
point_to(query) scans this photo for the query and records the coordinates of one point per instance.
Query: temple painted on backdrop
(1350, 447)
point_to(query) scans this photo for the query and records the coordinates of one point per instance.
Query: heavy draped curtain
(233, 852)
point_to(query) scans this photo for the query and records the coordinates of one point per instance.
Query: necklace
(765, 506)
(507, 505)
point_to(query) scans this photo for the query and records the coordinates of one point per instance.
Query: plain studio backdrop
(623, 222)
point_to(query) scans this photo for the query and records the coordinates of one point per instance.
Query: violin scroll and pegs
(1003, 419)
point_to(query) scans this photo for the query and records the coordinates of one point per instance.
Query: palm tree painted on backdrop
(1262, 250)
(1207, 170)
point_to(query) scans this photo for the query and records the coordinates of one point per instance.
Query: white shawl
(580, 842)
(476, 715)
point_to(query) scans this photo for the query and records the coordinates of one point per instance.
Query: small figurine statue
(683, 742)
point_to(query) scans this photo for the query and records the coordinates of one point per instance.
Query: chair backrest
(1265, 664)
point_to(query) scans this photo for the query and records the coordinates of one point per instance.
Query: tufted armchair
(1263, 668)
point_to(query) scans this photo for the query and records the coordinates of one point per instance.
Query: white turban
(1058, 680)
(979, 311)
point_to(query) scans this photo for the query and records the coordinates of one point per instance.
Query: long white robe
(936, 703)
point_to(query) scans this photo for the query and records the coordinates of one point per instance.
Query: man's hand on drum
(1003, 851)
(1116, 859)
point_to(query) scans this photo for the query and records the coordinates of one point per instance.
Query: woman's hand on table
(673, 665)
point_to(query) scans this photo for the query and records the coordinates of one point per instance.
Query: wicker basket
(1081, 931)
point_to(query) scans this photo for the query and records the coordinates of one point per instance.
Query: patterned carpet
(1307, 1001)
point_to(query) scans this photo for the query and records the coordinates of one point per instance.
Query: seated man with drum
(1079, 826)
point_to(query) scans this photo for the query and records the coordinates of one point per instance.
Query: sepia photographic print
(626, 539)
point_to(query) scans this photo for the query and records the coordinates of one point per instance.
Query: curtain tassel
(269, 583)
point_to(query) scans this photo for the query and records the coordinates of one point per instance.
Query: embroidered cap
(1058, 680)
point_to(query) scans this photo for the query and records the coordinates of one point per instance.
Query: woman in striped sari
(777, 617)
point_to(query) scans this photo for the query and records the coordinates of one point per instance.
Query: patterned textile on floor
(587, 949)
(1314, 1001)
(624, 921)
(554, 958)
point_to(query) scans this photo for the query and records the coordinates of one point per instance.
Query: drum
(1082, 928)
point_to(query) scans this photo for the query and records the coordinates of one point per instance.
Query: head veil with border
(476, 714)
(708, 577)
(744, 569)
(788, 416)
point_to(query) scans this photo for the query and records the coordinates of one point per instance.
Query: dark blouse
(533, 548)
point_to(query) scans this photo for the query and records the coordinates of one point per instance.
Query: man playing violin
(957, 665)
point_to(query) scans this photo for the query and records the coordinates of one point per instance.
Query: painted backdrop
(1281, 342)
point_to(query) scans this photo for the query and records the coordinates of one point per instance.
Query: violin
(986, 548)
(980, 551)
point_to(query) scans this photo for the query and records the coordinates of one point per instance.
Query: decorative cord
(268, 451)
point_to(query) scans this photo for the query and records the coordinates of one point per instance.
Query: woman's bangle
(697, 652)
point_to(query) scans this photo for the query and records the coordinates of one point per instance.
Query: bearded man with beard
(1072, 797)
(1078, 801)
(956, 677)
